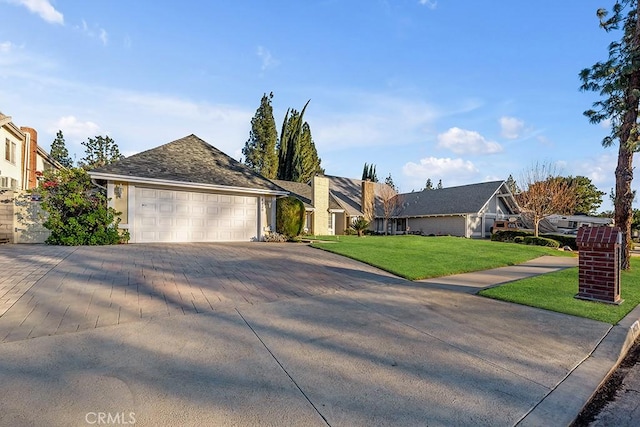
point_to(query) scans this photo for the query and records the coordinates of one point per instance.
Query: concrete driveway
(264, 334)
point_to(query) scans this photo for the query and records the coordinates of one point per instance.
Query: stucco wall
(447, 225)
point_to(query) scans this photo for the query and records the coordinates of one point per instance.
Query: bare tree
(391, 204)
(545, 193)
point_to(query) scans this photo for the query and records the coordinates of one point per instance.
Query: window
(330, 223)
(10, 151)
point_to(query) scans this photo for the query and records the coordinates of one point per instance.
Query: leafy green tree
(512, 185)
(428, 185)
(59, 151)
(297, 156)
(77, 212)
(617, 81)
(389, 181)
(260, 149)
(589, 198)
(635, 225)
(309, 163)
(100, 151)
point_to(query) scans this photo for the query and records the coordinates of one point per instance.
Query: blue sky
(462, 91)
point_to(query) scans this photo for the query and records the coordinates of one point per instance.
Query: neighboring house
(465, 211)
(332, 203)
(321, 207)
(359, 199)
(189, 191)
(22, 162)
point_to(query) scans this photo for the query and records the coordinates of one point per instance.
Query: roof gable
(448, 201)
(189, 160)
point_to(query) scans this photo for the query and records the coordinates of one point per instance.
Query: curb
(563, 404)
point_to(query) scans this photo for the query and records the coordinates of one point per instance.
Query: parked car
(504, 225)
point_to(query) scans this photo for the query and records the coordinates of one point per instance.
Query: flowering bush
(77, 210)
(275, 238)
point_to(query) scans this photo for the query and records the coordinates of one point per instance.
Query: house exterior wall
(11, 161)
(341, 223)
(320, 201)
(440, 225)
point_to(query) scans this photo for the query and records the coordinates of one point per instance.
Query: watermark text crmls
(110, 418)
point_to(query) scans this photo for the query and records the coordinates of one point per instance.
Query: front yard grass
(418, 257)
(556, 291)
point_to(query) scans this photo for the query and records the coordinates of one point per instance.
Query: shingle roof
(304, 193)
(189, 159)
(299, 190)
(446, 201)
(348, 192)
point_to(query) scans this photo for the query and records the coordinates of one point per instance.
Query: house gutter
(186, 184)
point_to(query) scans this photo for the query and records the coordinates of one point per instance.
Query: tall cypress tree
(309, 162)
(289, 146)
(260, 149)
(59, 151)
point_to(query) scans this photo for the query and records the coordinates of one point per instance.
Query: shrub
(289, 216)
(275, 238)
(564, 240)
(360, 225)
(518, 239)
(509, 235)
(541, 241)
(77, 210)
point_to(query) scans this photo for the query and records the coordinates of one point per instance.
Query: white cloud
(431, 4)
(42, 8)
(94, 32)
(268, 61)
(104, 37)
(381, 120)
(75, 129)
(6, 47)
(451, 171)
(511, 127)
(462, 141)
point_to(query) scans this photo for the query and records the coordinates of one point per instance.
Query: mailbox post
(599, 264)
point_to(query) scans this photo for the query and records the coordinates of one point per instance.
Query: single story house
(189, 191)
(321, 207)
(332, 203)
(465, 211)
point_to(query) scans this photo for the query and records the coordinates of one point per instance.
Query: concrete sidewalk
(345, 344)
(566, 400)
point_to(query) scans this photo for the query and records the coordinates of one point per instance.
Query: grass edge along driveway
(419, 257)
(556, 291)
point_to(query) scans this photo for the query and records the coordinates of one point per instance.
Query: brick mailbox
(599, 264)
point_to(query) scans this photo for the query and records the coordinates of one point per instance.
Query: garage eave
(186, 184)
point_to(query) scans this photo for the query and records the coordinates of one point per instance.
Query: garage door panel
(182, 216)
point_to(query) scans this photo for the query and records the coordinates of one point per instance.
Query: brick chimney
(320, 202)
(32, 156)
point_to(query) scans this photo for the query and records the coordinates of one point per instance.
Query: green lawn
(555, 291)
(418, 257)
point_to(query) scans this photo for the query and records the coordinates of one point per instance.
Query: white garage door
(185, 216)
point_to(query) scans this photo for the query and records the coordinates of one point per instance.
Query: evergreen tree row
(293, 156)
